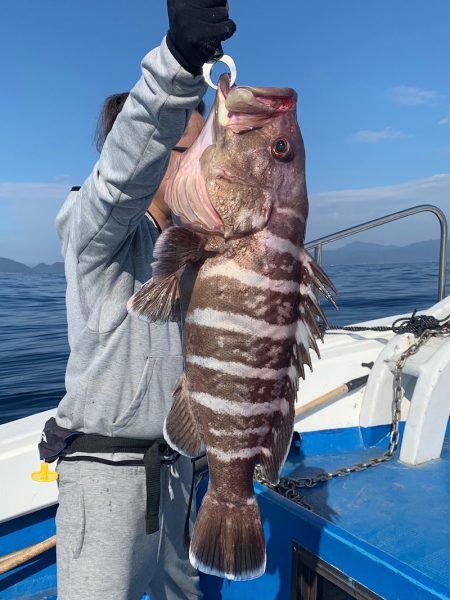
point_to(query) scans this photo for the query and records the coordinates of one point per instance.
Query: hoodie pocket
(70, 516)
(130, 411)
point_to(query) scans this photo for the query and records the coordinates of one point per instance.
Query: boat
(361, 510)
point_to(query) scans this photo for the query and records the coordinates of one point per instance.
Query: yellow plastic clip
(44, 474)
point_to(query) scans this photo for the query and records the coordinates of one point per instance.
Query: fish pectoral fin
(180, 427)
(277, 444)
(175, 248)
(155, 301)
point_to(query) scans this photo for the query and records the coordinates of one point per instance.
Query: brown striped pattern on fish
(251, 316)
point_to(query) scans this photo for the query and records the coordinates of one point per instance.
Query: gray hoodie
(121, 371)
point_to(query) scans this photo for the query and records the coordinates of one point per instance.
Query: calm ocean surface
(33, 331)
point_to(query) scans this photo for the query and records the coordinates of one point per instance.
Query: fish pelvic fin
(278, 443)
(228, 539)
(180, 427)
(174, 249)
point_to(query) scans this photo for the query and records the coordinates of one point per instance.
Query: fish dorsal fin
(308, 329)
(174, 249)
(309, 309)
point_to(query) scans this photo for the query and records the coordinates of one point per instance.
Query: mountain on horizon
(56, 267)
(370, 253)
(351, 254)
(12, 266)
(8, 265)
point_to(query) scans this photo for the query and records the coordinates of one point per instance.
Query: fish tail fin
(180, 427)
(228, 539)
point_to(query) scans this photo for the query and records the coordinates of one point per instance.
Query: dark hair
(201, 108)
(111, 108)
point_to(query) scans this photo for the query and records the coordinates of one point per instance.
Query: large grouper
(238, 196)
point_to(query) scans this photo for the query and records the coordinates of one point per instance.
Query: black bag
(54, 440)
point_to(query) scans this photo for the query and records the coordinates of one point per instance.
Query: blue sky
(372, 79)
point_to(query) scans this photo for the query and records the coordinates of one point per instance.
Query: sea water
(33, 329)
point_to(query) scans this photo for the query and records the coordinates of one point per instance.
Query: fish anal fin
(180, 427)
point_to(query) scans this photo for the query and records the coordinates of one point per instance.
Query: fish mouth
(236, 109)
(220, 110)
(224, 84)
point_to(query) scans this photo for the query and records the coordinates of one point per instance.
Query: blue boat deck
(386, 527)
(403, 511)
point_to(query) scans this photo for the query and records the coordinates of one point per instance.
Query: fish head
(248, 160)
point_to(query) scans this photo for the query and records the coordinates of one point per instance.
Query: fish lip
(224, 84)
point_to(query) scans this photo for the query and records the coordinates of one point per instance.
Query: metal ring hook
(226, 59)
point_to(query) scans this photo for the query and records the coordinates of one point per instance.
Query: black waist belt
(151, 450)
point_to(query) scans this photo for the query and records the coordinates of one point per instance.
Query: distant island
(351, 254)
(12, 266)
(361, 253)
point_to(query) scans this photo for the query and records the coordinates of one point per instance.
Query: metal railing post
(319, 242)
(318, 259)
(318, 254)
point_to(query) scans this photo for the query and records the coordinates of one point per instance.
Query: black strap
(92, 442)
(187, 534)
(153, 485)
(150, 449)
(155, 222)
(199, 467)
(103, 461)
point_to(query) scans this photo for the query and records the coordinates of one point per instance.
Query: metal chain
(288, 486)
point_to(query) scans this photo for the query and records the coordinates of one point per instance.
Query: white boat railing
(401, 214)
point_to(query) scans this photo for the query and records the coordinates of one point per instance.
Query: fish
(239, 203)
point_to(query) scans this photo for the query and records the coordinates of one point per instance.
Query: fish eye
(282, 150)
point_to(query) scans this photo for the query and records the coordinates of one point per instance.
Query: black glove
(196, 28)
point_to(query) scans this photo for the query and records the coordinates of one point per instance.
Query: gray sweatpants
(102, 549)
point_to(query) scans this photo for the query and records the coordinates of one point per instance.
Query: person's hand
(196, 30)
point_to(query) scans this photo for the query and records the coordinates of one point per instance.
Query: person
(112, 539)
(158, 210)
